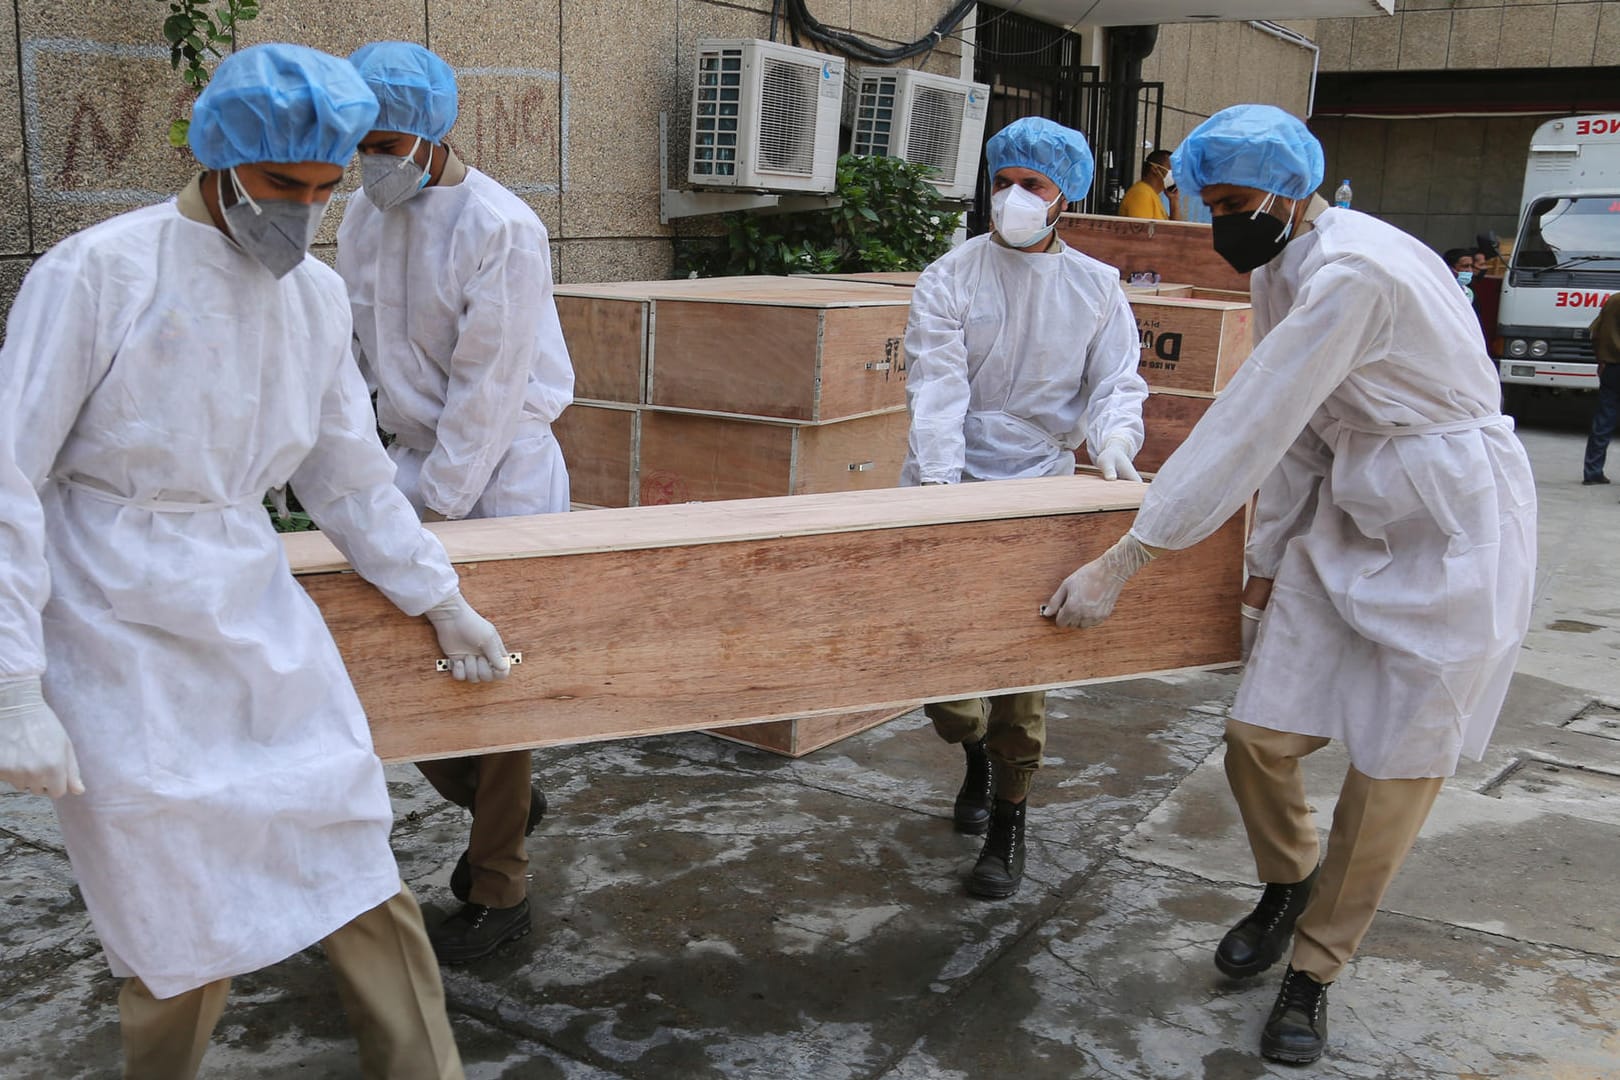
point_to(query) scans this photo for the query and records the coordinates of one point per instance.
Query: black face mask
(1249, 239)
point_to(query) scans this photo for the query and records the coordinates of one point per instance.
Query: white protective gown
(1397, 511)
(155, 381)
(1015, 359)
(458, 333)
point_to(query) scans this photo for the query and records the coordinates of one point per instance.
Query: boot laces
(1273, 905)
(1302, 993)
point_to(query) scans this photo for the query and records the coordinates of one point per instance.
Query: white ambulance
(1566, 257)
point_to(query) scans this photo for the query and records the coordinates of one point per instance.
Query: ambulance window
(1559, 229)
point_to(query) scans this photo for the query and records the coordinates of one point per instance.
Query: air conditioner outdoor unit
(765, 116)
(926, 119)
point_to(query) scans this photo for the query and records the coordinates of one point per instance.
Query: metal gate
(1034, 69)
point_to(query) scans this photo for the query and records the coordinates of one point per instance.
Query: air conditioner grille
(935, 135)
(719, 98)
(787, 129)
(874, 117)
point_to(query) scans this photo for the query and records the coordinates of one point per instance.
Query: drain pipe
(1293, 37)
(1128, 46)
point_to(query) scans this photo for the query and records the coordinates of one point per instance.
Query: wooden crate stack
(712, 389)
(728, 388)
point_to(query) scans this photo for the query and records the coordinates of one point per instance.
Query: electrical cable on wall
(800, 20)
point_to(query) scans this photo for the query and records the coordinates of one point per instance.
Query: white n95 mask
(1020, 216)
(389, 180)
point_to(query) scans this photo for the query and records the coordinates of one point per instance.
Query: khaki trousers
(496, 789)
(1013, 727)
(387, 977)
(1374, 826)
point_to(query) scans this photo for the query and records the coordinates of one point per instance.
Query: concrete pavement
(707, 910)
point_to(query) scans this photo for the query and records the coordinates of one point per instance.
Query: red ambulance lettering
(1581, 300)
(1603, 125)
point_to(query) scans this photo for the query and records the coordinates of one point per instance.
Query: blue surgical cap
(281, 103)
(1058, 153)
(1258, 146)
(415, 89)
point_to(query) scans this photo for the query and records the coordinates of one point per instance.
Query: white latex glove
(1251, 626)
(1115, 462)
(469, 641)
(35, 752)
(1087, 596)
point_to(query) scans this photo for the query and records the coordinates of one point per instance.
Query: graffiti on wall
(96, 117)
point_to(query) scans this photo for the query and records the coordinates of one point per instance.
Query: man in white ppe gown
(449, 278)
(160, 372)
(1392, 553)
(1019, 349)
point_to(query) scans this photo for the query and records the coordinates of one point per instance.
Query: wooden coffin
(1167, 419)
(600, 444)
(797, 348)
(698, 456)
(1179, 251)
(1192, 343)
(607, 342)
(680, 618)
(806, 734)
(907, 278)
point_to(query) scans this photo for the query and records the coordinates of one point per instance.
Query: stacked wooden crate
(1193, 341)
(713, 389)
(730, 388)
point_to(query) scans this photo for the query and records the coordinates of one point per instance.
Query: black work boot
(476, 931)
(1001, 861)
(972, 811)
(1297, 1029)
(461, 876)
(1260, 939)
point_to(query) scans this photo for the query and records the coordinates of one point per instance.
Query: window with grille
(787, 116)
(719, 100)
(874, 117)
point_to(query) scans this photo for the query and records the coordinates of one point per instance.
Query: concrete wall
(1438, 35)
(559, 101)
(1442, 180)
(1206, 67)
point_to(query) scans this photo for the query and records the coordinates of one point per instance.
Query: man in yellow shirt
(1142, 198)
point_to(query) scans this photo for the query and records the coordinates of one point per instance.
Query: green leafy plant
(195, 31)
(891, 218)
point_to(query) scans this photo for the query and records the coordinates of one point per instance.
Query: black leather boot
(461, 876)
(972, 810)
(1001, 861)
(1297, 1029)
(476, 931)
(1259, 941)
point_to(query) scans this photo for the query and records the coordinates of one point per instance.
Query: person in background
(1142, 199)
(1461, 261)
(1019, 349)
(1605, 332)
(1391, 560)
(162, 675)
(449, 278)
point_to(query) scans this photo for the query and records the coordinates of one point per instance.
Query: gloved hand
(35, 752)
(1115, 461)
(1251, 626)
(1087, 596)
(469, 640)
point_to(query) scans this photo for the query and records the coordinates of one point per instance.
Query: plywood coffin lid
(798, 291)
(1188, 302)
(734, 521)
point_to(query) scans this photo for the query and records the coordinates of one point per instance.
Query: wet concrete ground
(707, 910)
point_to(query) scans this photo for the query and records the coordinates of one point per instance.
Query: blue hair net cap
(1258, 146)
(415, 89)
(1058, 153)
(281, 103)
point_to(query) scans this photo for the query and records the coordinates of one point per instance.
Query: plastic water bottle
(1341, 198)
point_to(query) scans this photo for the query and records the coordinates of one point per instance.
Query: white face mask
(1169, 180)
(390, 180)
(1020, 215)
